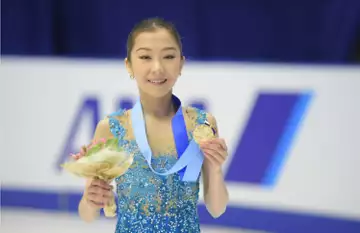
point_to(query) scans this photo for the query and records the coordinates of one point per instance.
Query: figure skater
(160, 191)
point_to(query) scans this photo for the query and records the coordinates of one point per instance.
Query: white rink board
(41, 97)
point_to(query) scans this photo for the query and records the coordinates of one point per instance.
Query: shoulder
(105, 128)
(102, 129)
(119, 117)
(200, 116)
(199, 113)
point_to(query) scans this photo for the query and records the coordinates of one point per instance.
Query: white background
(39, 99)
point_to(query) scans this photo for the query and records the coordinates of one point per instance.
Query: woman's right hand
(98, 193)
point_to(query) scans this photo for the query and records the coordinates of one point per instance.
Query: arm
(89, 211)
(215, 192)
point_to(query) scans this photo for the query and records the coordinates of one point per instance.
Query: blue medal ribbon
(190, 157)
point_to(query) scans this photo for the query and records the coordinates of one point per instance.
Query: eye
(145, 57)
(169, 57)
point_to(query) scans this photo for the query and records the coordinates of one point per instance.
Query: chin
(158, 93)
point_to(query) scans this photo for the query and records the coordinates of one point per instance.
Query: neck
(160, 107)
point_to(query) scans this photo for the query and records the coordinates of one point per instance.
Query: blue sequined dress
(148, 202)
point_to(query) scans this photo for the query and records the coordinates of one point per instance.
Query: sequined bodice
(152, 203)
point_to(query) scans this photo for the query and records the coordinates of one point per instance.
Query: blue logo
(267, 137)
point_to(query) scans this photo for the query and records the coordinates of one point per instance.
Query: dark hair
(149, 25)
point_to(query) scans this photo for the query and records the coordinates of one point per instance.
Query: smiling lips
(157, 81)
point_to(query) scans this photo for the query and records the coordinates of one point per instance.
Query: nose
(157, 67)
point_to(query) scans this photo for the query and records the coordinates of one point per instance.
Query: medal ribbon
(190, 157)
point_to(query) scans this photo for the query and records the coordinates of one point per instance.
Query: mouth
(157, 81)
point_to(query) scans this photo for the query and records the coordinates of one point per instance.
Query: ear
(128, 66)
(182, 63)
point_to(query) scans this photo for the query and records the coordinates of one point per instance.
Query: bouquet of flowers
(102, 159)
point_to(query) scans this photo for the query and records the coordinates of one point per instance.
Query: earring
(131, 76)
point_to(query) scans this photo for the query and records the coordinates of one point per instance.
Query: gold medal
(203, 132)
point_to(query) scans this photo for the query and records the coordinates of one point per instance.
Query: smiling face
(155, 61)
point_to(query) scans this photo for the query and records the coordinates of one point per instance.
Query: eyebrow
(148, 49)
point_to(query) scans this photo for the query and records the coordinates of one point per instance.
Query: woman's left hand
(215, 152)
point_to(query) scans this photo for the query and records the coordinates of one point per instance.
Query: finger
(212, 146)
(95, 202)
(223, 144)
(216, 147)
(108, 195)
(219, 150)
(98, 198)
(94, 197)
(100, 202)
(211, 154)
(94, 190)
(101, 184)
(219, 141)
(212, 160)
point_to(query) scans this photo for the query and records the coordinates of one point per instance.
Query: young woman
(149, 199)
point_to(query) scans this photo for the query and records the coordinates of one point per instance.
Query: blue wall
(252, 30)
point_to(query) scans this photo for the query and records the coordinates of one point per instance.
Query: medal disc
(203, 132)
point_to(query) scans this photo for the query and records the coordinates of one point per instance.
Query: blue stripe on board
(236, 217)
(287, 139)
(279, 221)
(261, 136)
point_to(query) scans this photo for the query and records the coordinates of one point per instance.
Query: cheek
(173, 70)
(141, 70)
